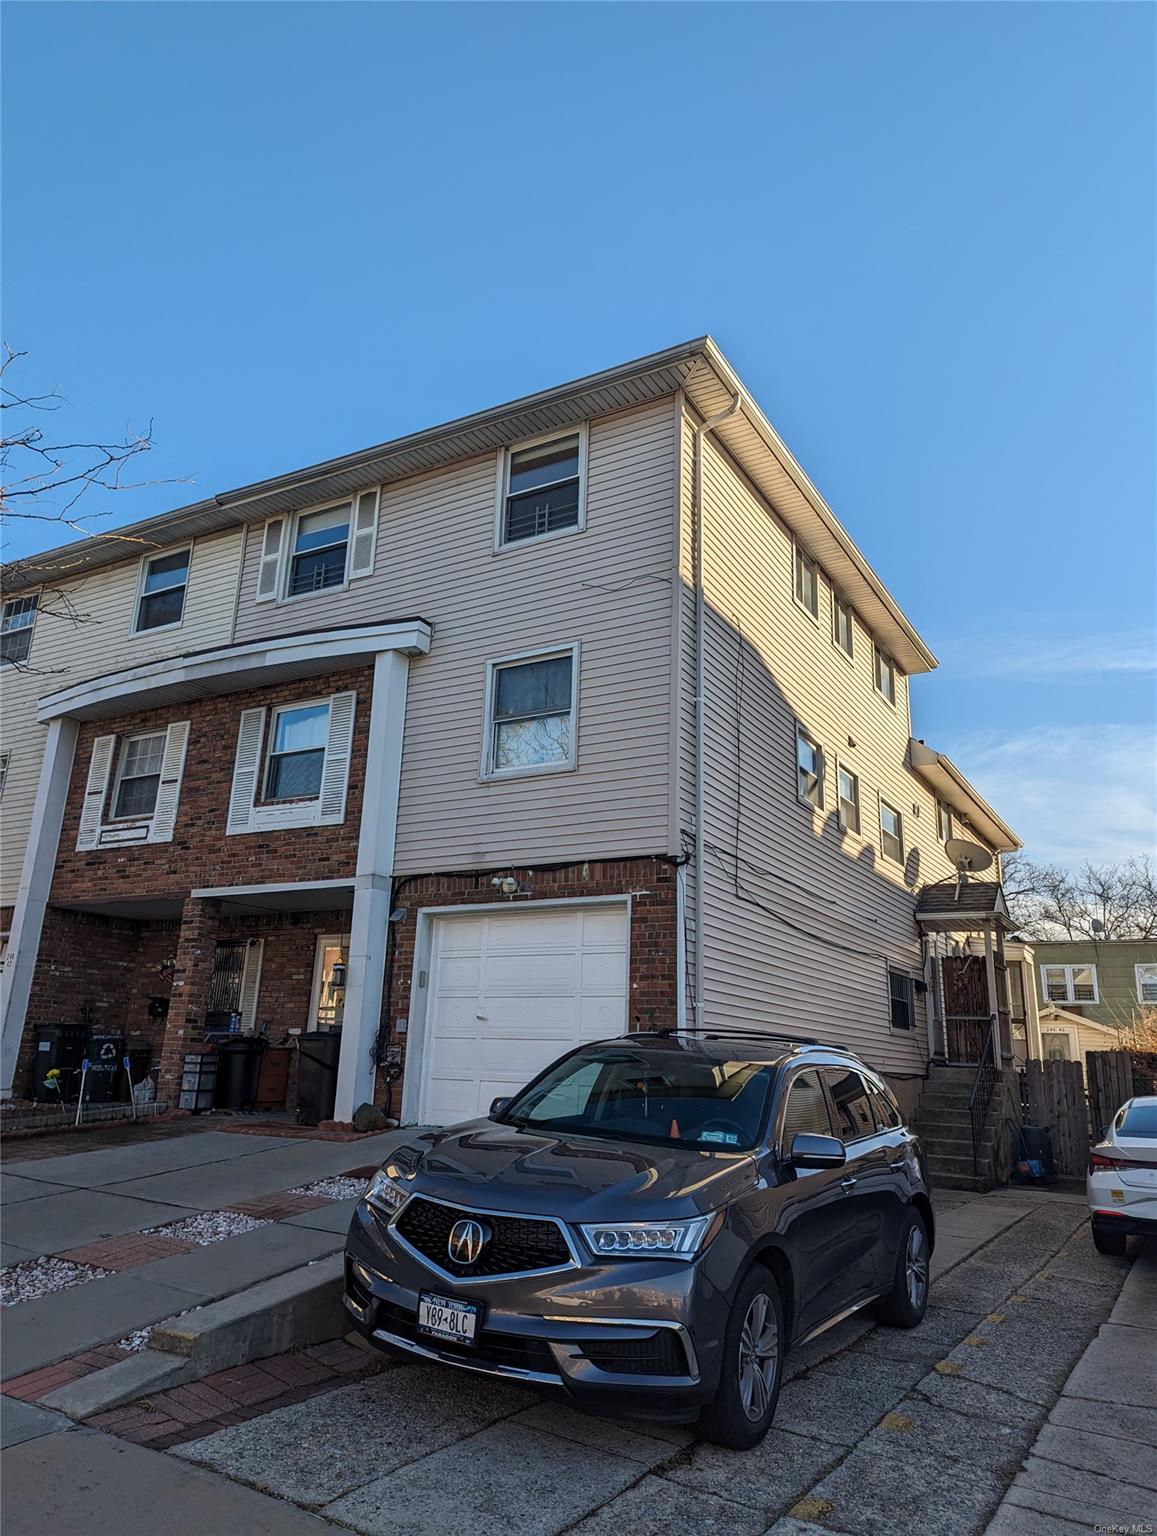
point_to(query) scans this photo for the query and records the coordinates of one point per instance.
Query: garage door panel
(531, 976)
(603, 972)
(526, 932)
(459, 974)
(459, 935)
(449, 1100)
(455, 1017)
(526, 1017)
(602, 1016)
(603, 926)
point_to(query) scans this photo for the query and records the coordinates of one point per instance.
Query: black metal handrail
(987, 1074)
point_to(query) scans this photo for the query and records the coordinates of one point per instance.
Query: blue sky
(923, 234)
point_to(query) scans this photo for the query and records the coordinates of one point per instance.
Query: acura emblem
(466, 1241)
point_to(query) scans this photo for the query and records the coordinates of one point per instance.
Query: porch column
(993, 995)
(193, 972)
(32, 895)
(373, 885)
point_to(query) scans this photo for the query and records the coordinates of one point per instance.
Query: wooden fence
(1056, 1097)
(1110, 1084)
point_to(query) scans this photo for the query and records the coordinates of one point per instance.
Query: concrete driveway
(994, 1414)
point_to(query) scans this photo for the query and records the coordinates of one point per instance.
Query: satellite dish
(1097, 926)
(969, 858)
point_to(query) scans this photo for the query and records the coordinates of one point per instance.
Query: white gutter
(701, 432)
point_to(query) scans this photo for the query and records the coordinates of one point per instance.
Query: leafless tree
(1049, 902)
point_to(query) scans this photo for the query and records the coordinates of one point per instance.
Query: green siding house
(1110, 982)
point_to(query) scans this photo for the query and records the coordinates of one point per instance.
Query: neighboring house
(1089, 990)
(577, 715)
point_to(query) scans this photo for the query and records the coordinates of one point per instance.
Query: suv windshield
(649, 1095)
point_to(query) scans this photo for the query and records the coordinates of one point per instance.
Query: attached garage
(507, 991)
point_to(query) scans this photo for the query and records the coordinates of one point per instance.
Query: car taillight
(1098, 1162)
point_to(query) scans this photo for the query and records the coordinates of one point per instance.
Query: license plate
(443, 1317)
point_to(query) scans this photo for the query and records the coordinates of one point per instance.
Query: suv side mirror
(498, 1105)
(808, 1151)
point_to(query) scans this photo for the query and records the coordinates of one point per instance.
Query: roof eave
(941, 774)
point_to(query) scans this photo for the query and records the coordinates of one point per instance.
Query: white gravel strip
(337, 1188)
(210, 1227)
(40, 1277)
(135, 1341)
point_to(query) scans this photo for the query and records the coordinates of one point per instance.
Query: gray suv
(649, 1226)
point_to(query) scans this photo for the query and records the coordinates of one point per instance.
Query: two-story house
(1093, 992)
(580, 714)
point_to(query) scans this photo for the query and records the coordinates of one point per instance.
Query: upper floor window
(891, 832)
(809, 760)
(297, 752)
(1070, 983)
(161, 598)
(1146, 982)
(902, 1000)
(16, 628)
(849, 787)
(807, 582)
(139, 776)
(842, 624)
(943, 821)
(314, 551)
(5, 759)
(885, 675)
(320, 543)
(530, 709)
(542, 488)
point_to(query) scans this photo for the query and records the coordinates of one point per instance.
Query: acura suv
(650, 1226)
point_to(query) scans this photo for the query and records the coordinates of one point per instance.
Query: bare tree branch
(1048, 902)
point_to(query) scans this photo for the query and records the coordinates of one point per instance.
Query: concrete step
(956, 1146)
(955, 1163)
(963, 1181)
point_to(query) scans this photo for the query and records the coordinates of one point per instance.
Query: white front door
(511, 991)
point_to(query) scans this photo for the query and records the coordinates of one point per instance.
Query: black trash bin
(317, 1054)
(59, 1047)
(106, 1082)
(238, 1068)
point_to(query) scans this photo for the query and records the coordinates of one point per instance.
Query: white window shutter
(336, 771)
(270, 564)
(250, 985)
(246, 767)
(95, 791)
(169, 789)
(364, 535)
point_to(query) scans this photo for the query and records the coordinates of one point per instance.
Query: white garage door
(511, 991)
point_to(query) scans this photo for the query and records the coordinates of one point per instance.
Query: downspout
(701, 431)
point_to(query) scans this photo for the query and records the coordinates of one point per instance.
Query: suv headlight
(647, 1239)
(384, 1193)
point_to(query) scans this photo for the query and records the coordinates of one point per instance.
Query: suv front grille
(660, 1355)
(517, 1243)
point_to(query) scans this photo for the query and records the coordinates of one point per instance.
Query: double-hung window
(943, 821)
(1146, 982)
(885, 669)
(809, 762)
(5, 759)
(139, 776)
(807, 582)
(297, 752)
(842, 625)
(1069, 983)
(161, 599)
(542, 489)
(318, 557)
(849, 796)
(891, 832)
(16, 628)
(530, 725)
(902, 1000)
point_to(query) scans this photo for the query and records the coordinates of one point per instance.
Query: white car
(1122, 1178)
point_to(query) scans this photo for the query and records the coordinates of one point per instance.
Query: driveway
(975, 1419)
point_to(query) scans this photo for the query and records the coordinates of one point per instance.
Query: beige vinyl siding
(831, 893)
(99, 640)
(607, 588)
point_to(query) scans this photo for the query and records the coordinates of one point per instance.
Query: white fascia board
(943, 776)
(277, 887)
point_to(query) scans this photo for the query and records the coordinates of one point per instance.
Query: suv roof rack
(750, 1034)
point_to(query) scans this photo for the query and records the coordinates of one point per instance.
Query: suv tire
(752, 1370)
(904, 1305)
(1109, 1242)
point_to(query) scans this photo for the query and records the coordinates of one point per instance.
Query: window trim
(943, 816)
(142, 576)
(505, 454)
(293, 523)
(879, 654)
(1070, 1000)
(134, 817)
(267, 755)
(487, 773)
(838, 603)
(5, 765)
(801, 730)
(21, 597)
(858, 829)
(899, 815)
(1142, 965)
(798, 554)
(909, 1033)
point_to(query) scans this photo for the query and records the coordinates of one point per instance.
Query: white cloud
(1069, 792)
(1066, 656)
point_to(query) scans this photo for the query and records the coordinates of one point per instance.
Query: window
(1069, 983)
(531, 714)
(891, 832)
(855, 1116)
(849, 787)
(543, 489)
(806, 1110)
(842, 625)
(885, 676)
(320, 542)
(1146, 980)
(161, 600)
(4, 760)
(902, 997)
(16, 628)
(943, 821)
(809, 759)
(297, 752)
(139, 776)
(807, 582)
